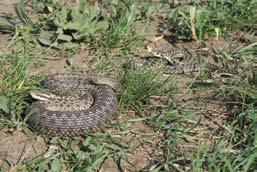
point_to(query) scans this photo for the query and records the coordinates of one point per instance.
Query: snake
(177, 61)
(72, 104)
(180, 61)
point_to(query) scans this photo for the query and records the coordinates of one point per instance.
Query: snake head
(158, 53)
(41, 95)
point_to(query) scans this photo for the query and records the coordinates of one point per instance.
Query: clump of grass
(214, 17)
(15, 86)
(243, 125)
(225, 157)
(120, 33)
(138, 85)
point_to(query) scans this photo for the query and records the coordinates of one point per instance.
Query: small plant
(179, 23)
(137, 86)
(120, 32)
(15, 87)
(78, 23)
(61, 23)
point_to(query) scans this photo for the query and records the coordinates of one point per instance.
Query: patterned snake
(177, 60)
(75, 105)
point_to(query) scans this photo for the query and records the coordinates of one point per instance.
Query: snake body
(180, 61)
(74, 121)
(176, 60)
(173, 61)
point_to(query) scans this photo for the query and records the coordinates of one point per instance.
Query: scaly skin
(176, 60)
(74, 122)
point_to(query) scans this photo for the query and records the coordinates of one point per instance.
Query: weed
(121, 33)
(74, 155)
(82, 22)
(215, 16)
(15, 86)
(225, 158)
(137, 86)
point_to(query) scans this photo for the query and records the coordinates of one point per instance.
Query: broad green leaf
(74, 25)
(56, 165)
(102, 25)
(92, 13)
(64, 37)
(6, 24)
(82, 5)
(64, 13)
(44, 41)
(4, 101)
(77, 11)
(87, 28)
(21, 14)
(79, 36)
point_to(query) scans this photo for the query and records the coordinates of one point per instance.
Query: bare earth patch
(16, 146)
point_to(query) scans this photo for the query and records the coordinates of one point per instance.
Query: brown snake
(176, 61)
(56, 120)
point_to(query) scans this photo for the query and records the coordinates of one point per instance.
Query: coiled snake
(89, 101)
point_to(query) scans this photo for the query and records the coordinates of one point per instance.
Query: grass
(214, 17)
(15, 85)
(76, 155)
(154, 130)
(137, 86)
